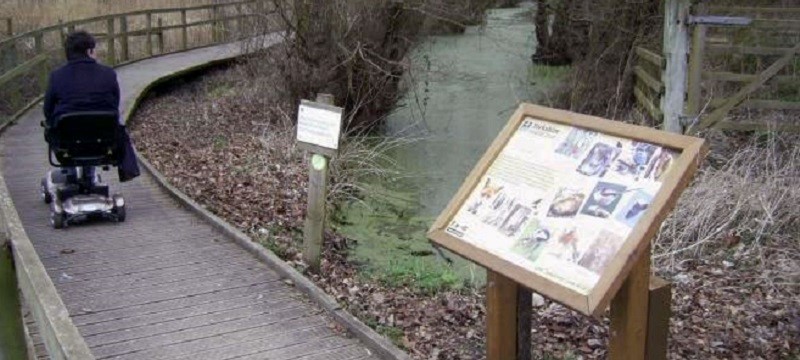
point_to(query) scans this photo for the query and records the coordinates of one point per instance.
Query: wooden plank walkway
(164, 284)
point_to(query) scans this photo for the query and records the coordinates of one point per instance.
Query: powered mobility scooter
(78, 143)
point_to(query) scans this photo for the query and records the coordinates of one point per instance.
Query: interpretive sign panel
(319, 125)
(565, 203)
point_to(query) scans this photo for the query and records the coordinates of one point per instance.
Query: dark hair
(78, 44)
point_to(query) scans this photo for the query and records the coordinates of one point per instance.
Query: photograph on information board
(560, 201)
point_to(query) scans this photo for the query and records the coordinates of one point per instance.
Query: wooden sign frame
(684, 166)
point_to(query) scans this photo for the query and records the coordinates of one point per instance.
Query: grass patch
(394, 334)
(418, 274)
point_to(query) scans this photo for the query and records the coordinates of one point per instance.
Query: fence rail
(756, 67)
(27, 58)
(649, 87)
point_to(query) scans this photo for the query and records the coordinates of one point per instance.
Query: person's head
(79, 44)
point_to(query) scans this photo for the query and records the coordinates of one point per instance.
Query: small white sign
(319, 124)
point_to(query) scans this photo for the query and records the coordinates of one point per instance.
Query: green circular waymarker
(319, 162)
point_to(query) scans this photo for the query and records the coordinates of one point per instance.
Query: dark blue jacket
(81, 85)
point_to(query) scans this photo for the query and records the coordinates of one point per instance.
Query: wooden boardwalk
(165, 284)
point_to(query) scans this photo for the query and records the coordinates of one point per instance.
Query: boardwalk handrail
(60, 335)
(116, 39)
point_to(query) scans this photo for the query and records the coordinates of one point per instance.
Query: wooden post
(160, 36)
(676, 40)
(629, 313)
(184, 31)
(239, 23)
(9, 27)
(215, 24)
(61, 33)
(123, 40)
(696, 55)
(111, 51)
(8, 56)
(524, 313)
(149, 33)
(38, 44)
(508, 319)
(658, 316)
(315, 212)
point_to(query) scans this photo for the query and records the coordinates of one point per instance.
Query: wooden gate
(740, 59)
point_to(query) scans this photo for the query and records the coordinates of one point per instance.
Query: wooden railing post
(38, 43)
(149, 33)
(184, 31)
(10, 61)
(111, 49)
(123, 38)
(61, 33)
(8, 56)
(239, 22)
(10, 27)
(215, 33)
(160, 36)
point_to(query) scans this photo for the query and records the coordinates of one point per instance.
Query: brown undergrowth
(225, 139)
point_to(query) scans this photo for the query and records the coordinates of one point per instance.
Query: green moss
(392, 247)
(393, 333)
(221, 91)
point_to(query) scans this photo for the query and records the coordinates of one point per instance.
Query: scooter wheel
(119, 211)
(58, 220)
(45, 194)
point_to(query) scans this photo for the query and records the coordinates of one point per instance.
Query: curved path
(165, 284)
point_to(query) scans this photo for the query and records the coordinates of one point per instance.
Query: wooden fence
(732, 69)
(649, 88)
(28, 58)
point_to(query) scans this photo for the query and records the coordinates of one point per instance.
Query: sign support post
(629, 313)
(325, 132)
(507, 303)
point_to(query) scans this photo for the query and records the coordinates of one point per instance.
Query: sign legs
(639, 317)
(629, 313)
(508, 319)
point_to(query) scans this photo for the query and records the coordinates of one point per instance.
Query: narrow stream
(12, 340)
(465, 88)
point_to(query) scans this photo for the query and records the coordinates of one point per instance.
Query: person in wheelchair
(82, 129)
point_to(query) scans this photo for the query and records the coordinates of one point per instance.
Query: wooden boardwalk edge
(373, 340)
(59, 334)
